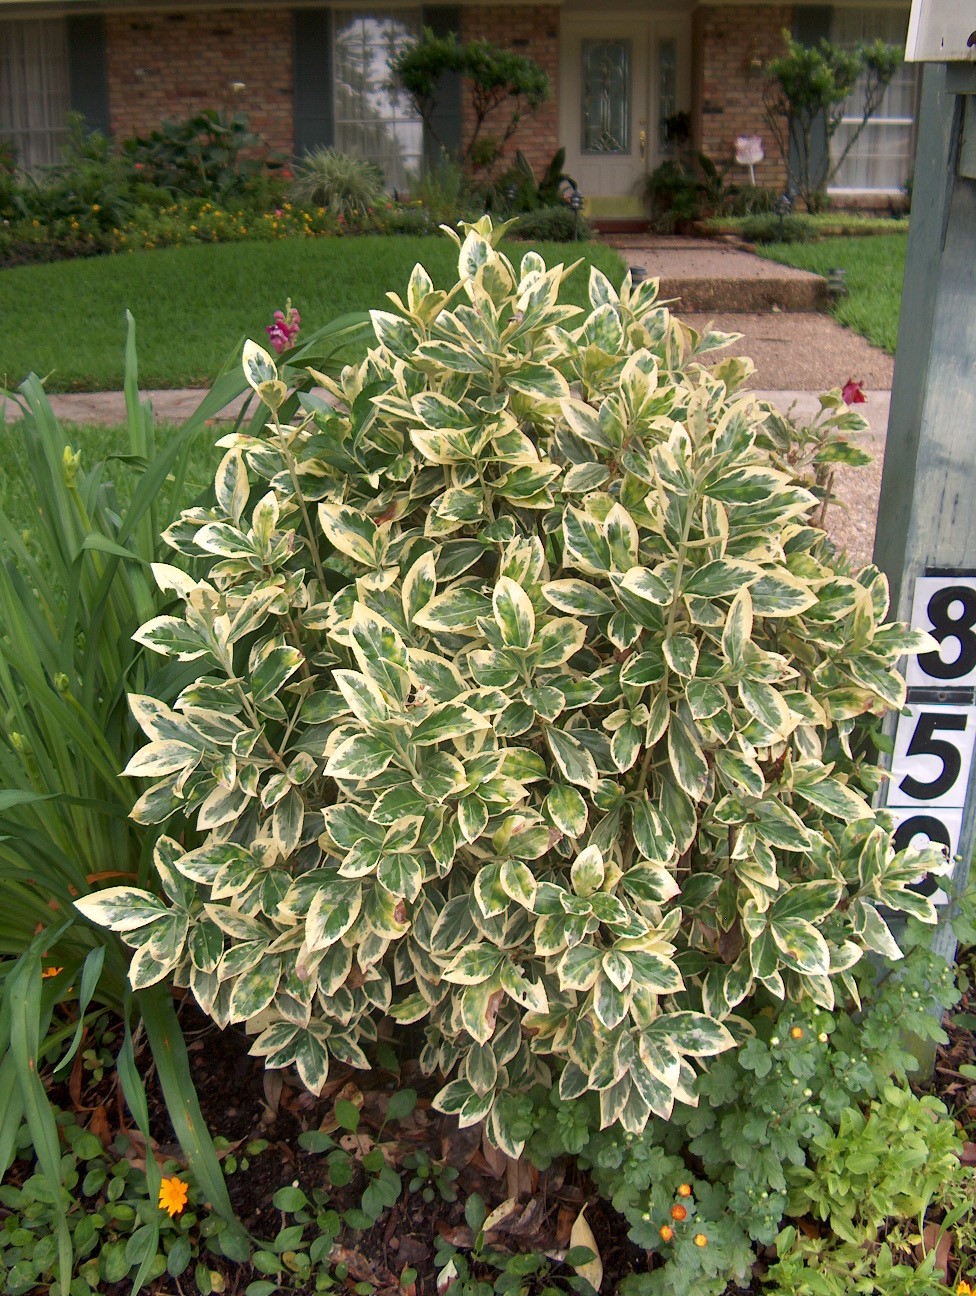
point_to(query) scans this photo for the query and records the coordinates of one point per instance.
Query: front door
(625, 84)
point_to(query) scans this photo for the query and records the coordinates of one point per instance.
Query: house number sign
(935, 735)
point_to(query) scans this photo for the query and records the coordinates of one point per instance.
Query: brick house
(627, 79)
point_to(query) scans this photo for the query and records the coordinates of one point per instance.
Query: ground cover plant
(875, 269)
(195, 304)
(509, 759)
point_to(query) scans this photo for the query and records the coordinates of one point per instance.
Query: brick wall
(732, 44)
(534, 32)
(168, 66)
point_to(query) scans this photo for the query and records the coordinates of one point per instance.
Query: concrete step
(702, 275)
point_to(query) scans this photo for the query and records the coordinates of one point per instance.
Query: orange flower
(963, 1288)
(666, 1232)
(701, 1240)
(173, 1195)
(678, 1212)
(684, 1190)
(51, 972)
(796, 1032)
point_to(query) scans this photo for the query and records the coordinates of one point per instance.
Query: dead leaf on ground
(522, 1179)
(495, 1159)
(458, 1146)
(273, 1082)
(501, 1215)
(934, 1238)
(100, 1127)
(968, 1156)
(564, 1225)
(582, 1235)
(356, 1144)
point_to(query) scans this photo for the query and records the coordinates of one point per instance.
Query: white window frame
(878, 121)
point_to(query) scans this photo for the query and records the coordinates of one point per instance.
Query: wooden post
(926, 537)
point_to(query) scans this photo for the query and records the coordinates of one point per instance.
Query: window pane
(882, 156)
(372, 120)
(606, 96)
(34, 95)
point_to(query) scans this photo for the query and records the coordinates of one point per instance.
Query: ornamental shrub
(521, 701)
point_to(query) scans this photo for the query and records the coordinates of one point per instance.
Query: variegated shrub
(521, 704)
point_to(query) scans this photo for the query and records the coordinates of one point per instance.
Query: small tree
(498, 80)
(808, 89)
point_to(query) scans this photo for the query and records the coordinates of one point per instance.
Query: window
(881, 159)
(372, 120)
(34, 93)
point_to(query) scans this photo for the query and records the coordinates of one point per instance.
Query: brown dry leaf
(582, 1235)
(458, 1236)
(100, 1127)
(968, 1156)
(564, 1225)
(502, 1215)
(522, 1179)
(530, 1219)
(934, 1238)
(495, 1159)
(808, 1227)
(357, 1144)
(458, 1146)
(274, 1082)
(352, 1093)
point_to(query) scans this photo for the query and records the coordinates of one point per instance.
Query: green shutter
(87, 74)
(446, 117)
(313, 115)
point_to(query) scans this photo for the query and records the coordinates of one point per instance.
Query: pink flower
(283, 332)
(852, 393)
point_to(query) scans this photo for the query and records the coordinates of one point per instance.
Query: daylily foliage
(523, 708)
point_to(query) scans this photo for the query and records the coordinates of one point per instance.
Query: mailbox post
(926, 537)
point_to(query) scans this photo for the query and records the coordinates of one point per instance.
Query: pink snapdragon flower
(853, 392)
(284, 330)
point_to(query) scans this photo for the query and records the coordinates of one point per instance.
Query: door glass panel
(606, 84)
(667, 95)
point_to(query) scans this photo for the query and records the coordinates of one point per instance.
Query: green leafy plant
(530, 194)
(347, 186)
(501, 85)
(807, 98)
(520, 704)
(73, 589)
(211, 154)
(811, 1116)
(687, 188)
(558, 224)
(770, 228)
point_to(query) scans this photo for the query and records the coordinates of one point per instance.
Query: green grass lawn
(192, 305)
(875, 268)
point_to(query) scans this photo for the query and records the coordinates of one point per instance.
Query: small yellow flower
(701, 1240)
(666, 1232)
(684, 1190)
(963, 1288)
(678, 1212)
(173, 1195)
(796, 1032)
(51, 972)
